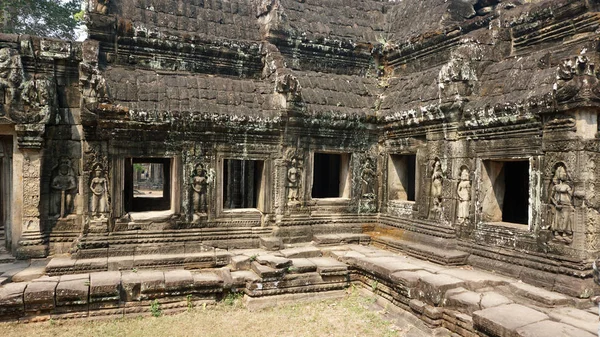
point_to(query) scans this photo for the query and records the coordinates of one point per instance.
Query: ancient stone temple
(458, 131)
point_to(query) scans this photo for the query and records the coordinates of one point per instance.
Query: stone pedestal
(98, 226)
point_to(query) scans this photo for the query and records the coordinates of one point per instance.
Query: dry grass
(347, 317)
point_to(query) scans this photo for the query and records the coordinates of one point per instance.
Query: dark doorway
(5, 194)
(326, 175)
(516, 195)
(242, 183)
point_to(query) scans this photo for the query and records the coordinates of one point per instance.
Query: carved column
(33, 242)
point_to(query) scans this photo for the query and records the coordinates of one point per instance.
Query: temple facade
(462, 132)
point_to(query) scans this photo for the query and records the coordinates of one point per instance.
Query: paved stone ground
(465, 301)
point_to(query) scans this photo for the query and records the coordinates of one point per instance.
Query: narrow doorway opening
(331, 175)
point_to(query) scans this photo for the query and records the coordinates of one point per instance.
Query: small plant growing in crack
(155, 308)
(374, 286)
(253, 257)
(233, 297)
(188, 301)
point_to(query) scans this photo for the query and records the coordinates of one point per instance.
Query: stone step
(68, 265)
(342, 238)
(543, 296)
(6, 257)
(450, 257)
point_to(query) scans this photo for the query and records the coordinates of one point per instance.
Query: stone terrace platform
(465, 301)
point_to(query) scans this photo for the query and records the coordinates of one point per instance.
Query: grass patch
(346, 317)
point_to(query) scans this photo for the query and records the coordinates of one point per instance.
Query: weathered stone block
(207, 282)
(105, 288)
(538, 294)
(302, 266)
(506, 319)
(301, 252)
(274, 261)
(433, 287)
(266, 272)
(11, 300)
(178, 282)
(329, 266)
(72, 291)
(39, 296)
(550, 328)
(240, 262)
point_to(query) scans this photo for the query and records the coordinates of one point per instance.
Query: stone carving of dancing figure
(436, 187)
(368, 179)
(64, 186)
(464, 196)
(562, 206)
(293, 181)
(199, 189)
(99, 188)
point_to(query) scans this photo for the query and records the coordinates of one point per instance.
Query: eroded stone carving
(99, 189)
(199, 189)
(38, 96)
(93, 84)
(367, 179)
(99, 6)
(576, 80)
(464, 196)
(64, 188)
(437, 178)
(293, 176)
(11, 75)
(561, 201)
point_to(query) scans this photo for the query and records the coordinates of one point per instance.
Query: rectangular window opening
(147, 184)
(402, 182)
(331, 175)
(243, 184)
(507, 186)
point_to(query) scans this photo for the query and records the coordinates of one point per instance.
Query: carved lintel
(30, 136)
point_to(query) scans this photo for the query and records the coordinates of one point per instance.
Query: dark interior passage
(241, 183)
(411, 177)
(326, 175)
(516, 195)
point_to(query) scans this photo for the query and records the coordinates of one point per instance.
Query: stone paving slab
(476, 278)
(274, 261)
(327, 265)
(385, 265)
(409, 279)
(540, 295)
(35, 269)
(582, 319)
(504, 320)
(550, 328)
(301, 252)
(303, 265)
(433, 287)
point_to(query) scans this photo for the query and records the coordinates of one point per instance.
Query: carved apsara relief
(463, 193)
(367, 179)
(99, 192)
(199, 187)
(293, 179)
(437, 178)
(561, 205)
